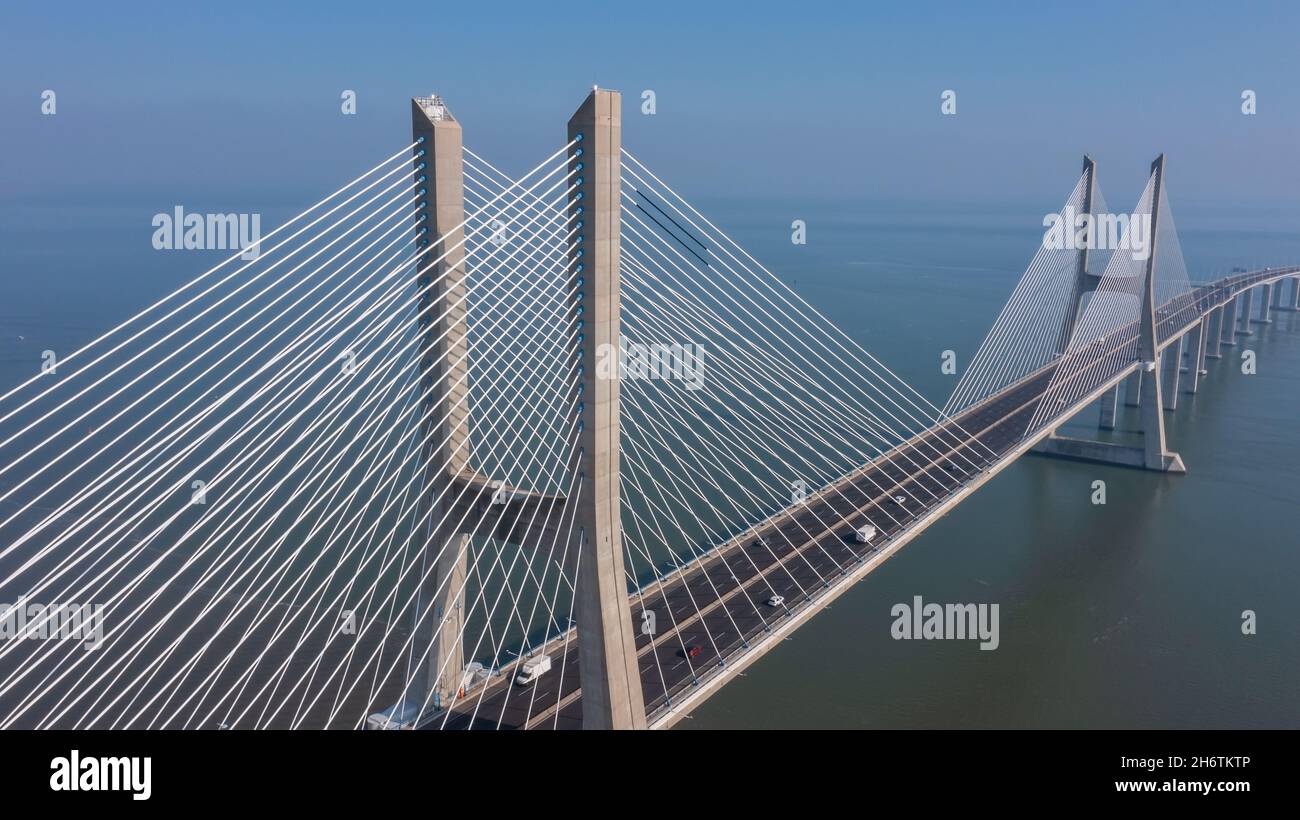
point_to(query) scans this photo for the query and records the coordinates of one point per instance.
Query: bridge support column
(1133, 389)
(1247, 298)
(1213, 333)
(1277, 293)
(1172, 364)
(1292, 304)
(607, 658)
(1229, 336)
(444, 363)
(1196, 356)
(1265, 305)
(1295, 295)
(1109, 408)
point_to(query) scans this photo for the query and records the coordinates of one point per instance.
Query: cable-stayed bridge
(462, 450)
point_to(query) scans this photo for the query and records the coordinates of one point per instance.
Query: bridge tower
(607, 656)
(1084, 282)
(1156, 451)
(1144, 382)
(471, 502)
(445, 366)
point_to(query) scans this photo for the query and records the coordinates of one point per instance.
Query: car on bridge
(864, 534)
(692, 651)
(776, 600)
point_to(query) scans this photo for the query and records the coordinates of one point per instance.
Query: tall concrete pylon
(472, 501)
(1143, 385)
(607, 657)
(1157, 455)
(1084, 282)
(445, 366)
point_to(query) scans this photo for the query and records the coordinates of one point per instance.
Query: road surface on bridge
(719, 602)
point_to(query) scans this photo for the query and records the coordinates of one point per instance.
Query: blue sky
(778, 101)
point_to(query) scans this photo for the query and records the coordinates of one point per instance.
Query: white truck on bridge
(532, 669)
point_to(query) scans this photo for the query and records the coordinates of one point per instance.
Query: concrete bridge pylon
(1146, 382)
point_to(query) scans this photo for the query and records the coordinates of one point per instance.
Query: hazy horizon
(845, 100)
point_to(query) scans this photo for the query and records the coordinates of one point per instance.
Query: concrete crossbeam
(1104, 452)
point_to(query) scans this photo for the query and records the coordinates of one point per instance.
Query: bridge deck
(719, 602)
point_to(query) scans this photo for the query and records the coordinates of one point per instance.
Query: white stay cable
(79, 351)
